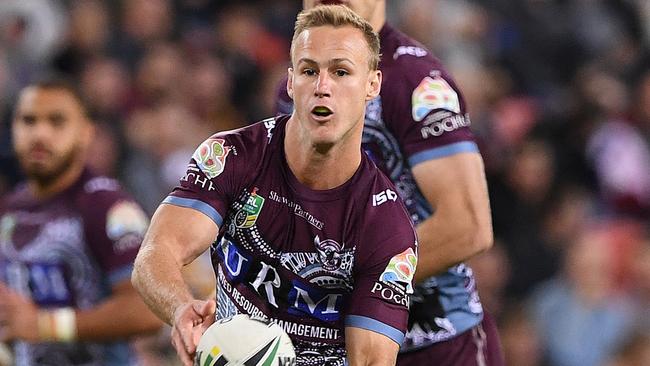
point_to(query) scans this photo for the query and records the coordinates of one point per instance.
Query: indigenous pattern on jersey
(67, 251)
(419, 115)
(311, 261)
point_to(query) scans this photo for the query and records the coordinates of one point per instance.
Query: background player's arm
(123, 314)
(368, 348)
(176, 236)
(461, 225)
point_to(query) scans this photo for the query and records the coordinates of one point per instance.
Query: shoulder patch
(125, 217)
(431, 94)
(211, 156)
(401, 269)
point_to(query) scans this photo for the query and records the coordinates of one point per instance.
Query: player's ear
(374, 84)
(290, 82)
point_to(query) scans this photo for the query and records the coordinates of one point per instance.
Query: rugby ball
(244, 341)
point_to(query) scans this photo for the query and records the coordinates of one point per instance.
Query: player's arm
(176, 236)
(123, 314)
(461, 225)
(368, 348)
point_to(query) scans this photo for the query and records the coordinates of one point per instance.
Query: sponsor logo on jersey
(315, 302)
(211, 155)
(432, 94)
(400, 269)
(409, 50)
(269, 123)
(440, 122)
(247, 216)
(125, 218)
(384, 196)
(297, 210)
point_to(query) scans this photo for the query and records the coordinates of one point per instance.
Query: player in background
(418, 132)
(68, 239)
(302, 236)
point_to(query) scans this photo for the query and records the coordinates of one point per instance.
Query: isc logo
(384, 196)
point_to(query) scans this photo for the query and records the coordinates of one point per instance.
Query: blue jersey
(419, 115)
(312, 261)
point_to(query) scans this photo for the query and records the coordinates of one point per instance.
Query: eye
(57, 119)
(341, 72)
(309, 72)
(28, 119)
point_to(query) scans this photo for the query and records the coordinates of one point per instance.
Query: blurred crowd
(558, 93)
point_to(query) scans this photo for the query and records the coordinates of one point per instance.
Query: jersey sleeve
(114, 226)
(383, 276)
(214, 176)
(427, 111)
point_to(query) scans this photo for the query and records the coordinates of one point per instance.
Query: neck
(321, 166)
(378, 18)
(45, 189)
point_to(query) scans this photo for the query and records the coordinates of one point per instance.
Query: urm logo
(317, 303)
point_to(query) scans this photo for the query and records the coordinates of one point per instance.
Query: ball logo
(211, 156)
(432, 94)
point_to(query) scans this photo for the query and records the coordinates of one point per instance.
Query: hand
(18, 316)
(190, 322)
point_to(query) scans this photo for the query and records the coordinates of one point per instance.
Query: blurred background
(559, 96)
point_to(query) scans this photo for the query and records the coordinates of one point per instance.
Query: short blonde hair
(337, 16)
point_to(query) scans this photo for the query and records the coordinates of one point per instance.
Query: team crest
(247, 216)
(211, 156)
(401, 268)
(431, 94)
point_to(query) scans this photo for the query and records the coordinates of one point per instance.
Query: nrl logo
(247, 216)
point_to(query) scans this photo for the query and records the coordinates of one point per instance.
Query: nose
(323, 87)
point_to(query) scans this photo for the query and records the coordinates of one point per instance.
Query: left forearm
(119, 317)
(445, 241)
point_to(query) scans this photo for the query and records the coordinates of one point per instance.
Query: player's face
(365, 8)
(330, 82)
(50, 132)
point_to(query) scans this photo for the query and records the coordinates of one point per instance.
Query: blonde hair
(337, 16)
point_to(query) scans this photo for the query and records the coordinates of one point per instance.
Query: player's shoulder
(404, 55)
(255, 135)
(384, 207)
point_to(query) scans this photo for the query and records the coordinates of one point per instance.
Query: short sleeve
(427, 111)
(214, 176)
(383, 280)
(114, 226)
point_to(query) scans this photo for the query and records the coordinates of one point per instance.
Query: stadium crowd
(558, 94)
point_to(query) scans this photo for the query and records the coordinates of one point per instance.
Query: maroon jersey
(311, 261)
(419, 115)
(68, 251)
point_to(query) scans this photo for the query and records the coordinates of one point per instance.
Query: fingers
(190, 321)
(177, 341)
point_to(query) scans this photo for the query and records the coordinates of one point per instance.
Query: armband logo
(432, 94)
(400, 270)
(123, 218)
(211, 156)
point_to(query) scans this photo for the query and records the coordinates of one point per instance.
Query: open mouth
(321, 111)
(331, 2)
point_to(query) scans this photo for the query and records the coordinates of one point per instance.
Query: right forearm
(158, 279)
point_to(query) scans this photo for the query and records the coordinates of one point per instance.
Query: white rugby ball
(244, 341)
